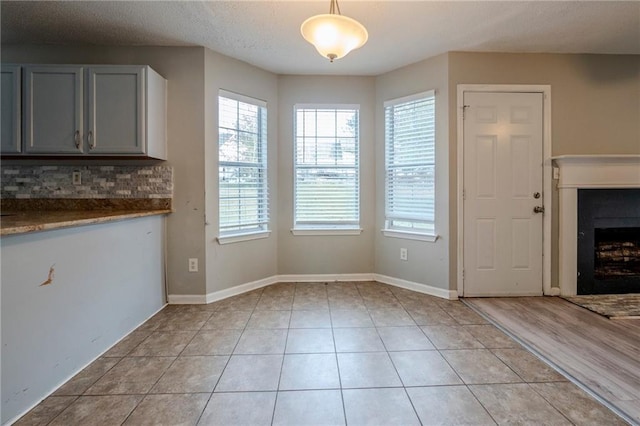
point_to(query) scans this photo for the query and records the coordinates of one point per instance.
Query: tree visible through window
(242, 165)
(326, 157)
(410, 164)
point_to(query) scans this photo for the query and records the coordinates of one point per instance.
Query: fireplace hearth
(608, 241)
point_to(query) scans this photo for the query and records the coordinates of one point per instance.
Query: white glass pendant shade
(334, 35)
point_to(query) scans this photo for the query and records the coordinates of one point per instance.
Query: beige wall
(238, 263)
(595, 109)
(325, 254)
(184, 69)
(428, 263)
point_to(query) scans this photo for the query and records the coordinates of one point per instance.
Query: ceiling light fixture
(332, 34)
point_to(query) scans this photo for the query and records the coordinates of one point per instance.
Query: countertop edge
(47, 226)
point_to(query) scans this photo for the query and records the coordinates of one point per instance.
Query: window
(242, 166)
(410, 166)
(327, 190)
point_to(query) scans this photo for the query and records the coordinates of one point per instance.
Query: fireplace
(608, 241)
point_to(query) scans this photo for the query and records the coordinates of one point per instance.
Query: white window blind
(326, 158)
(410, 164)
(242, 165)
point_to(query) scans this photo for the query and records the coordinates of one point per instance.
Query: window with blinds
(410, 164)
(242, 165)
(326, 167)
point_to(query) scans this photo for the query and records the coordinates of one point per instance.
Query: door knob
(538, 209)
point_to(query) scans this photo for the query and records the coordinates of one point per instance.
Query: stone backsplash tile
(96, 182)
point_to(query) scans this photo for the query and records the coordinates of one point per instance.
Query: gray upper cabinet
(10, 131)
(126, 111)
(53, 120)
(96, 110)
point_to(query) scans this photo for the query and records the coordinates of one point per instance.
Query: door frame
(547, 174)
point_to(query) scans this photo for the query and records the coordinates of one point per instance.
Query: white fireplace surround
(586, 171)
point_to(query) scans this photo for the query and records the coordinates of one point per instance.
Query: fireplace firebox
(608, 241)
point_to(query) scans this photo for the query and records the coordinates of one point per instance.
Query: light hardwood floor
(599, 353)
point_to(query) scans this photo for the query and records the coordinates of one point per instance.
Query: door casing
(547, 174)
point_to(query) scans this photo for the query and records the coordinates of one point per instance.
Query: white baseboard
(178, 299)
(417, 287)
(321, 278)
(554, 291)
(239, 289)
(187, 299)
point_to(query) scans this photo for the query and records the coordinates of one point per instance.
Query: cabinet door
(53, 109)
(116, 110)
(10, 137)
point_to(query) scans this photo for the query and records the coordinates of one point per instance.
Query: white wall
(108, 279)
(428, 263)
(232, 264)
(325, 254)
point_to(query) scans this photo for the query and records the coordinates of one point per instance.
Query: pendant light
(332, 34)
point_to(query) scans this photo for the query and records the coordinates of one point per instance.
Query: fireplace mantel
(586, 171)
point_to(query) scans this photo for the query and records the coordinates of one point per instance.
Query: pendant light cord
(333, 7)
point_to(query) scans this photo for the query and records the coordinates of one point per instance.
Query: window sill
(237, 238)
(327, 232)
(393, 233)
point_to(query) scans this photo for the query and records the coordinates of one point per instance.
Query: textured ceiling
(267, 33)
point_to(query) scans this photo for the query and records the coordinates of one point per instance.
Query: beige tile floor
(311, 354)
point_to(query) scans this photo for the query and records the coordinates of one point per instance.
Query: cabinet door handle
(90, 139)
(76, 138)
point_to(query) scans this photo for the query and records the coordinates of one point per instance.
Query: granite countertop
(33, 215)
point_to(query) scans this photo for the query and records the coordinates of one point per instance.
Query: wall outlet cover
(193, 264)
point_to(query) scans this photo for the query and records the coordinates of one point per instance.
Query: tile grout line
(404, 388)
(335, 347)
(167, 369)
(227, 363)
(284, 352)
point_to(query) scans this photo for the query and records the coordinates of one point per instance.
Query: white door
(502, 186)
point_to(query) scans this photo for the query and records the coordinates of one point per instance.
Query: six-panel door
(502, 188)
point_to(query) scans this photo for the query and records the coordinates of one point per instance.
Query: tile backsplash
(96, 182)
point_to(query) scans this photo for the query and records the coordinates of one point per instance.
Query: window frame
(320, 228)
(262, 230)
(428, 235)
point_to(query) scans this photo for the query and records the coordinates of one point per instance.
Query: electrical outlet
(403, 254)
(193, 264)
(76, 178)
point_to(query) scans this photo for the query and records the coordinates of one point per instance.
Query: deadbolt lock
(536, 195)
(538, 209)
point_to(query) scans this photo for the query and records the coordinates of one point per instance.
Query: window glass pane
(228, 145)
(326, 122)
(242, 160)
(347, 124)
(326, 169)
(410, 165)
